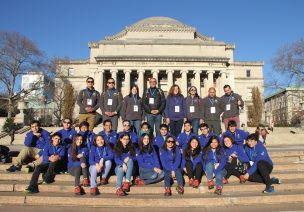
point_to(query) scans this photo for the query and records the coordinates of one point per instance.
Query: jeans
(176, 127)
(195, 125)
(120, 173)
(168, 178)
(218, 177)
(104, 172)
(154, 120)
(150, 176)
(262, 174)
(196, 171)
(136, 125)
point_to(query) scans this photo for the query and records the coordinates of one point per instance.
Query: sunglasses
(111, 82)
(126, 125)
(171, 141)
(67, 122)
(90, 81)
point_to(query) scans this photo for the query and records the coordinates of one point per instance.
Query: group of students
(144, 158)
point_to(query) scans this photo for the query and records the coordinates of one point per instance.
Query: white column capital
(210, 71)
(197, 71)
(184, 71)
(154, 71)
(140, 71)
(127, 70)
(169, 71)
(100, 70)
(115, 71)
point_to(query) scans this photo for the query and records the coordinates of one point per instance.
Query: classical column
(210, 79)
(197, 81)
(231, 78)
(205, 93)
(223, 78)
(140, 81)
(184, 84)
(127, 84)
(170, 78)
(114, 75)
(155, 74)
(99, 79)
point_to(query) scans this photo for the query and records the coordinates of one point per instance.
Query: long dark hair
(142, 147)
(231, 139)
(74, 148)
(207, 148)
(137, 95)
(173, 147)
(188, 151)
(118, 148)
(172, 90)
(189, 91)
(95, 138)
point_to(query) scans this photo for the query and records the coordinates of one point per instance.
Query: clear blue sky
(64, 27)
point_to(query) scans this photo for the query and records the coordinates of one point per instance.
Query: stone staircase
(289, 167)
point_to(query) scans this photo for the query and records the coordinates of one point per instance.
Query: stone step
(288, 153)
(147, 201)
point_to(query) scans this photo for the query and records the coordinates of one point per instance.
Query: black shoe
(13, 168)
(275, 180)
(32, 190)
(28, 169)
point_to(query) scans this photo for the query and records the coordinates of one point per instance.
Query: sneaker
(137, 179)
(275, 180)
(225, 181)
(180, 189)
(210, 184)
(168, 191)
(269, 190)
(94, 191)
(13, 168)
(242, 179)
(218, 190)
(28, 169)
(104, 181)
(140, 182)
(120, 192)
(79, 190)
(191, 182)
(126, 187)
(85, 182)
(31, 190)
(195, 184)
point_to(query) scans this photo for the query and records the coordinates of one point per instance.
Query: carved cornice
(93, 45)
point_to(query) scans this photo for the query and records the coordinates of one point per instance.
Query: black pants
(197, 171)
(231, 169)
(176, 127)
(48, 177)
(76, 171)
(262, 174)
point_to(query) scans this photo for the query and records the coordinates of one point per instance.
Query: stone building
(170, 51)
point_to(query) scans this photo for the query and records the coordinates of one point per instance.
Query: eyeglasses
(111, 82)
(90, 81)
(171, 141)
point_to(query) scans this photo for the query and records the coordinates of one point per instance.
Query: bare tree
(18, 56)
(69, 101)
(256, 110)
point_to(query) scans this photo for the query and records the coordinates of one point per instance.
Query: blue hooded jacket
(33, 141)
(238, 136)
(96, 153)
(239, 151)
(168, 162)
(132, 135)
(211, 157)
(205, 139)
(183, 139)
(195, 161)
(80, 150)
(52, 150)
(87, 139)
(147, 160)
(159, 140)
(67, 136)
(111, 138)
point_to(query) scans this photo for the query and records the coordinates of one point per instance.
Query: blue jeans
(195, 125)
(136, 125)
(120, 173)
(218, 177)
(150, 176)
(104, 174)
(154, 120)
(179, 177)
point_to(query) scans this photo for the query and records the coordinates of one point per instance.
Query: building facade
(169, 51)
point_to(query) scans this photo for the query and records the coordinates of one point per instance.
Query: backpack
(4, 154)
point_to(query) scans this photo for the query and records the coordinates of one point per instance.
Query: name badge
(151, 101)
(251, 163)
(212, 110)
(110, 101)
(192, 109)
(176, 109)
(89, 101)
(135, 108)
(228, 107)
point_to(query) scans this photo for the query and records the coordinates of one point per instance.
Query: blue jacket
(81, 149)
(239, 151)
(257, 154)
(183, 139)
(239, 136)
(111, 138)
(87, 139)
(119, 160)
(147, 160)
(132, 135)
(197, 160)
(67, 136)
(204, 140)
(167, 160)
(159, 140)
(96, 153)
(52, 150)
(211, 157)
(33, 141)
(171, 102)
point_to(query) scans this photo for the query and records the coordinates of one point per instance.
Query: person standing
(212, 110)
(88, 101)
(175, 111)
(154, 103)
(231, 102)
(110, 103)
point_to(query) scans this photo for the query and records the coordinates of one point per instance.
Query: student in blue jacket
(237, 159)
(159, 140)
(192, 162)
(170, 157)
(124, 156)
(214, 163)
(127, 129)
(206, 134)
(52, 155)
(260, 164)
(87, 135)
(145, 128)
(148, 162)
(175, 111)
(67, 132)
(184, 137)
(109, 135)
(77, 165)
(238, 135)
(100, 159)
